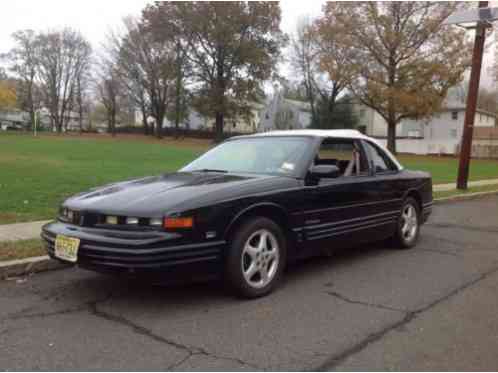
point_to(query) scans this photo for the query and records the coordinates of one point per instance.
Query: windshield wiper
(210, 170)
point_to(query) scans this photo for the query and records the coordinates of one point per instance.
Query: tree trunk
(32, 118)
(58, 124)
(80, 119)
(178, 90)
(218, 127)
(151, 128)
(113, 124)
(146, 126)
(391, 122)
(220, 98)
(177, 109)
(159, 126)
(144, 120)
(391, 136)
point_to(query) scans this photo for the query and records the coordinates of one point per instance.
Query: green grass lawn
(456, 192)
(21, 249)
(36, 174)
(445, 169)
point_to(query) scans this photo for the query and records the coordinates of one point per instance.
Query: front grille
(95, 220)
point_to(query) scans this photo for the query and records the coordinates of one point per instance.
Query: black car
(245, 208)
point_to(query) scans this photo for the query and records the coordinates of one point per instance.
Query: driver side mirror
(321, 171)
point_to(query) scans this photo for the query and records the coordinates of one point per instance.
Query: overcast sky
(94, 18)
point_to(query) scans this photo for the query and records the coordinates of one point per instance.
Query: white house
(281, 113)
(14, 118)
(196, 121)
(438, 134)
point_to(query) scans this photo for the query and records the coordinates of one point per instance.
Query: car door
(386, 186)
(336, 208)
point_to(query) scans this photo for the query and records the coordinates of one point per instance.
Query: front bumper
(137, 252)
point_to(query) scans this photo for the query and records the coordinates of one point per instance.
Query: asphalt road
(370, 308)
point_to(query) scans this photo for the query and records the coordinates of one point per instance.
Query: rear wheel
(256, 258)
(408, 227)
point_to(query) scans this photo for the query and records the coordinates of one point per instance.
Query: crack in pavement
(336, 359)
(46, 314)
(353, 301)
(92, 307)
(190, 350)
(179, 362)
(79, 308)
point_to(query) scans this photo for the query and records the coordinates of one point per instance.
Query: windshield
(263, 155)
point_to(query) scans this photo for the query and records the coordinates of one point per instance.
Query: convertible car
(246, 208)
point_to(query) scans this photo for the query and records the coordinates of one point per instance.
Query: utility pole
(470, 111)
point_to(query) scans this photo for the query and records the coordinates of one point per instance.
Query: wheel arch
(415, 194)
(268, 210)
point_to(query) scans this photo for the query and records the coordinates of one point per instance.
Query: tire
(408, 225)
(253, 269)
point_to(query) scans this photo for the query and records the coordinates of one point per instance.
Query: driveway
(368, 308)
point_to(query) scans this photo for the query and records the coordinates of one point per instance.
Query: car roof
(316, 133)
(339, 134)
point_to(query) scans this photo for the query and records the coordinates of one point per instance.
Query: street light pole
(470, 111)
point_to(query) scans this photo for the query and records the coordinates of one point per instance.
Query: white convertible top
(340, 134)
(316, 133)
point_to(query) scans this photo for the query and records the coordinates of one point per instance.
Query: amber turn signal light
(175, 223)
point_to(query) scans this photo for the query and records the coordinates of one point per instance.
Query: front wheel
(408, 227)
(256, 258)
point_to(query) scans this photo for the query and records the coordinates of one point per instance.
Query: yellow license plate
(66, 248)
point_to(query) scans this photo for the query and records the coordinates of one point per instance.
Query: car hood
(154, 196)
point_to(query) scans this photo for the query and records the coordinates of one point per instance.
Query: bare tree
(155, 60)
(146, 70)
(132, 77)
(81, 96)
(304, 60)
(323, 68)
(107, 87)
(64, 56)
(23, 59)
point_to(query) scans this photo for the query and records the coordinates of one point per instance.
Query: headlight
(111, 220)
(156, 222)
(63, 213)
(132, 221)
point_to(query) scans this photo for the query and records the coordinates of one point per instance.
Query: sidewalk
(452, 186)
(21, 231)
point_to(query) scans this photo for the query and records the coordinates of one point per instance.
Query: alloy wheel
(409, 223)
(260, 258)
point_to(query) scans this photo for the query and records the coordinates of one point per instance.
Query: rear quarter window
(381, 162)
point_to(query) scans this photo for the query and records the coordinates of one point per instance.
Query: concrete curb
(22, 267)
(464, 197)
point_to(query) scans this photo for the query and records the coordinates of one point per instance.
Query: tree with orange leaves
(402, 57)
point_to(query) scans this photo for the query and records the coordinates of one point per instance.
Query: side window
(380, 160)
(345, 154)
